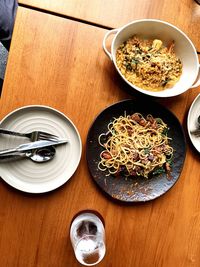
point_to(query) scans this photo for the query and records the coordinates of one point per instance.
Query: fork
(33, 136)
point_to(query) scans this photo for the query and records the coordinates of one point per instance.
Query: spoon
(37, 155)
(41, 154)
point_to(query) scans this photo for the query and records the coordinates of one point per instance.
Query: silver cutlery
(37, 155)
(197, 131)
(33, 136)
(42, 154)
(32, 145)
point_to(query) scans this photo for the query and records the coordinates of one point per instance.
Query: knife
(32, 145)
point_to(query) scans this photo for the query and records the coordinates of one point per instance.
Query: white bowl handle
(197, 83)
(104, 42)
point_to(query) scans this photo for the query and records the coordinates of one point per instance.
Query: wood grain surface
(184, 14)
(60, 63)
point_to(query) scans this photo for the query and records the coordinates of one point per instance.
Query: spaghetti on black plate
(136, 146)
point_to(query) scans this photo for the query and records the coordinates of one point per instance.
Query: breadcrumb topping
(149, 64)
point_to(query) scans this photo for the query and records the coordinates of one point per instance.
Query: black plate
(135, 189)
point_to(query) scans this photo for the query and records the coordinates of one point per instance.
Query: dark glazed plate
(135, 189)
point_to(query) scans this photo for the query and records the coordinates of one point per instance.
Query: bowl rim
(156, 93)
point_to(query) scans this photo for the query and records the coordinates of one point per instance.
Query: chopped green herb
(134, 61)
(165, 131)
(146, 151)
(170, 161)
(159, 170)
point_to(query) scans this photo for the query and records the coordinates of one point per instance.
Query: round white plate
(27, 175)
(192, 124)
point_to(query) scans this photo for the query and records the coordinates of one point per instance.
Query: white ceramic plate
(27, 175)
(192, 124)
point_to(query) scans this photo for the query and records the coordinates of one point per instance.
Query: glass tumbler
(87, 236)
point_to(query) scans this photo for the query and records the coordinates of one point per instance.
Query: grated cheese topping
(149, 64)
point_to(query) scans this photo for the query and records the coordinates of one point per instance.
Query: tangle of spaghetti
(135, 146)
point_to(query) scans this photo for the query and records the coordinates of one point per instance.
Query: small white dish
(32, 177)
(192, 124)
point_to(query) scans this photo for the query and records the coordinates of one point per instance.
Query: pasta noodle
(135, 146)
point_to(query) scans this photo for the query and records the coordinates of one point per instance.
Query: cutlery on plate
(32, 145)
(37, 155)
(33, 136)
(197, 131)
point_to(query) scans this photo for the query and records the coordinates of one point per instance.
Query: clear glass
(87, 236)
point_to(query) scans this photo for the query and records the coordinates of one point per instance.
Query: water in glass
(88, 238)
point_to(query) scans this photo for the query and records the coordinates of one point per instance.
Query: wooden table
(60, 63)
(184, 14)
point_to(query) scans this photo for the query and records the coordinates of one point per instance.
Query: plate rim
(45, 107)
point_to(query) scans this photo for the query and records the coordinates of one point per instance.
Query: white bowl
(157, 29)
